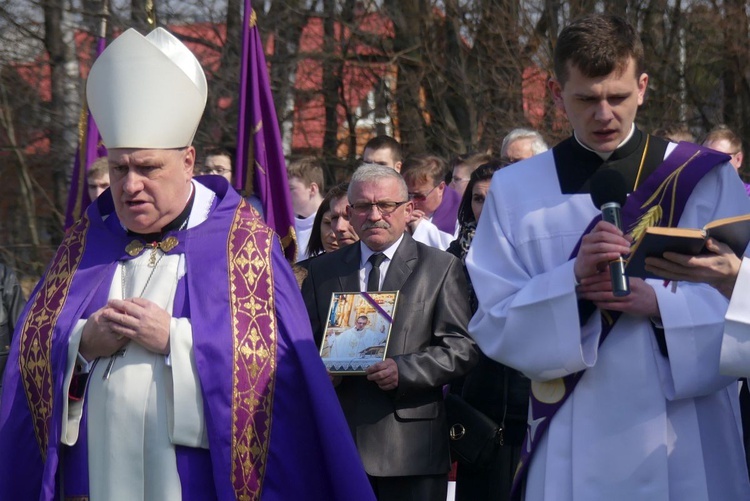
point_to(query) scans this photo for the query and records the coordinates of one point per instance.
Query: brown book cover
(733, 231)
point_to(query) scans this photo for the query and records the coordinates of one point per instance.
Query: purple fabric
(309, 448)
(701, 160)
(445, 215)
(90, 148)
(747, 188)
(259, 149)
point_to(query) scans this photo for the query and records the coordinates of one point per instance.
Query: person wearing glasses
(722, 138)
(395, 412)
(218, 161)
(165, 354)
(434, 218)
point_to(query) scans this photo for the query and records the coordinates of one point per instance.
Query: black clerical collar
(636, 160)
(176, 224)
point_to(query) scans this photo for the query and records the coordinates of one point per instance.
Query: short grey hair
(372, 173)
(538, 145)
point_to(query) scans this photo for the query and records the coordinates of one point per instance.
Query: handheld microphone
(609, 192)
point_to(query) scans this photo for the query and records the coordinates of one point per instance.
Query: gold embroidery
(136, 246)
(648, 219)
(669, 185)
(35, 357)
(254, 333)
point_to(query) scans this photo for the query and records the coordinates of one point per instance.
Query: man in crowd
(722, 138)
(352, 342)
(433, 220)
(307, 186)
(383, 150)
(520, 144)
(627, 401)
(164, 354)
(675, 133)
(97, 177)
(462, 167)
(217, 161)
(396, 411)
(340, 223)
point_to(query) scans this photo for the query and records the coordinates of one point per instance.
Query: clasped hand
(606, 243)
(120, 321)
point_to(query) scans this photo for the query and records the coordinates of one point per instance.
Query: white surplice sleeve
(72, 409)
(528, 314)
(187, 421)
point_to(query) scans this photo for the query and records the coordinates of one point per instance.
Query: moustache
(377, 224)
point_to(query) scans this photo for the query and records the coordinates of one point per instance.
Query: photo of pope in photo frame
(357, 331)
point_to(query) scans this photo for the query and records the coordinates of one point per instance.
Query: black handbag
(474, 437)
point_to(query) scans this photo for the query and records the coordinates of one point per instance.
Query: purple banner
(260, 156)
(90, 148)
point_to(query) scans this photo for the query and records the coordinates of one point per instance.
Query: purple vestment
(669, 188)
(445, 215)
(275, 428)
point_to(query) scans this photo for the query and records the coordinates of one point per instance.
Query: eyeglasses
(384, 208)
(217, 171)
(419, 196)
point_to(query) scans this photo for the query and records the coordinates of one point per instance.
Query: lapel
(349, 276)
(402, 265)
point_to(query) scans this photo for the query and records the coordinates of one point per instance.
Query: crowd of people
(170, 351)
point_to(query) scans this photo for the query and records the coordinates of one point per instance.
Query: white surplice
(639, 426)
(351, 343)
(150, 402)
(735, 347)
(429, 234)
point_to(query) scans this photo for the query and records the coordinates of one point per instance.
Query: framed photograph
(357, 331)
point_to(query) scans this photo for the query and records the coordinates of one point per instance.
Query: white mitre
(147, 92)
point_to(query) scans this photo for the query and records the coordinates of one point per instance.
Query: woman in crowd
(497, 391)
(322, 236)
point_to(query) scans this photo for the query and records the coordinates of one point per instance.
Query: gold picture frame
(358, 329)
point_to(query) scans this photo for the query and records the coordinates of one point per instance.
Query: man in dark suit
(396, 411)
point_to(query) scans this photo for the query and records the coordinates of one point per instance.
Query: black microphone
(609, 192)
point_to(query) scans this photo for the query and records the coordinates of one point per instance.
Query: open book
(733, 231)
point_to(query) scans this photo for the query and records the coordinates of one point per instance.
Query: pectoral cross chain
(115, 355)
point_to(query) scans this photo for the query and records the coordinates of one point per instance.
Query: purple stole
(446, 214)
(659, 201)
(253, 350)
(250, 370)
